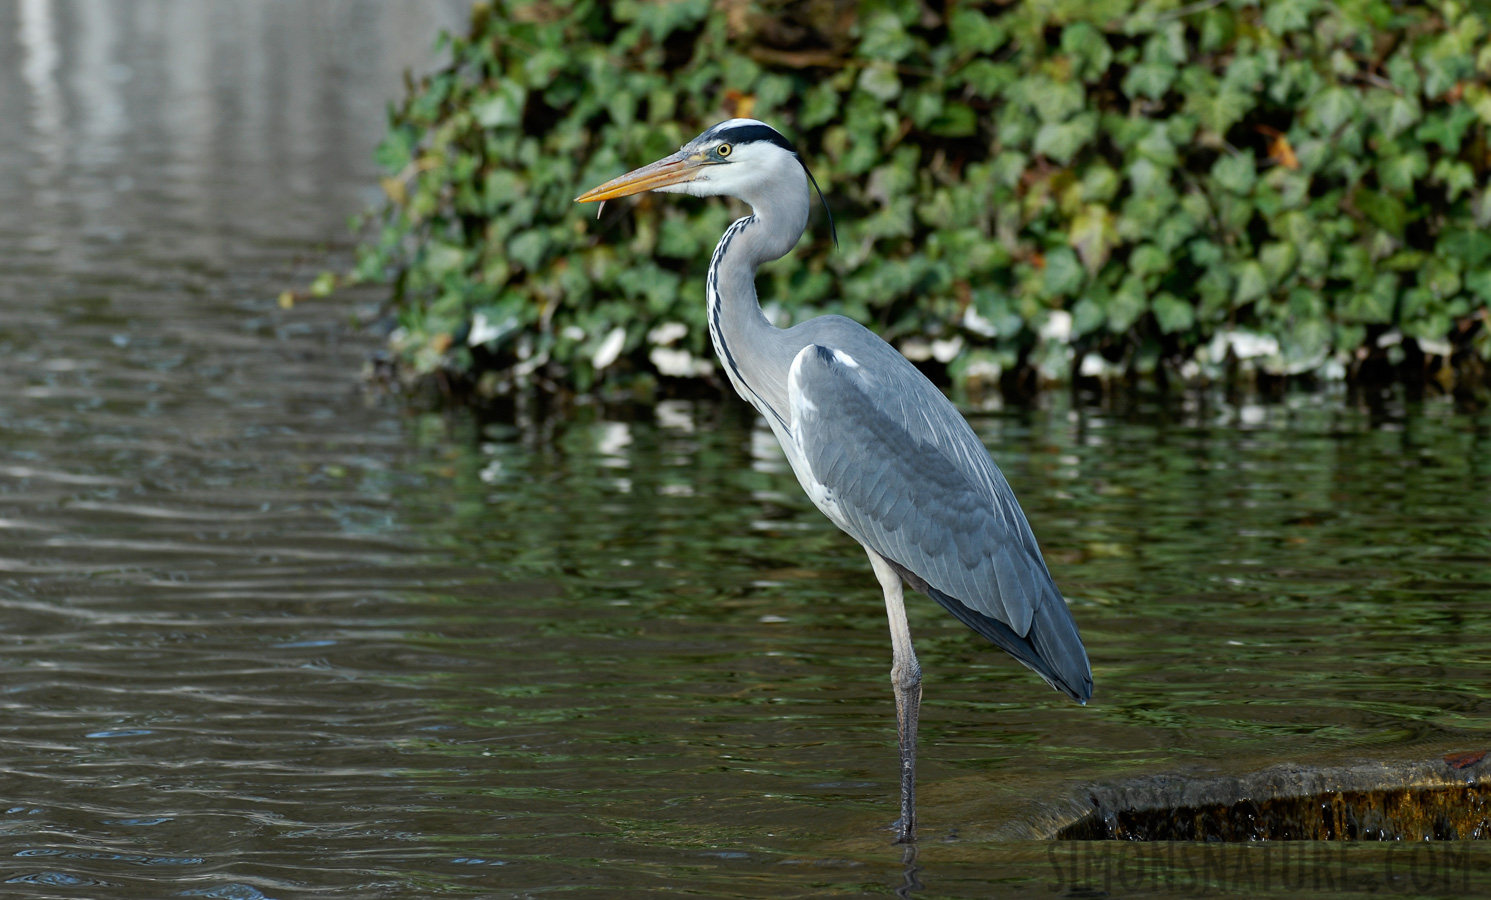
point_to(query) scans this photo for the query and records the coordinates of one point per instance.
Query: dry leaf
(1280, 152)
(738, 104)
(1464, 760)
(1279, 149)
(394, 188)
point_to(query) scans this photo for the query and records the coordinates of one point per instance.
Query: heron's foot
(902, 835)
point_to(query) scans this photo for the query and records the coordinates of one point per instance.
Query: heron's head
(742, 158)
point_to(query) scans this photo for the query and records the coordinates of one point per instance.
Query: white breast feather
(804, 413)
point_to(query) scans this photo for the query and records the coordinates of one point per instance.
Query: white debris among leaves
(667, 333)
(484, 330)
(1243, 344)
(978, 324)
(1057, 327)
(916, 349)
(946, 351)
(1094, 365)
(678, 363)
(609, 349)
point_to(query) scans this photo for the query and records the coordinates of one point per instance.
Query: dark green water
(265, 633)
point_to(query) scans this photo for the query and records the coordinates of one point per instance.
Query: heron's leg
(906, 678)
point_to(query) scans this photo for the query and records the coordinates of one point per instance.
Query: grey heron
(877, 446)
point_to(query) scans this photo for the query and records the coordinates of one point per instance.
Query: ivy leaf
(1331, 108)
(1237, 172)
(395, 150)
(1216, 106)
(998, 311)
(1088, 47)
(1384, 210)
(1405, 261)
(1402, 72)
(1214, 290)
(1145, 177)
(1470, 247)
(1393, 113)
(1251, 283)
(1314, 258)
(1283, 16)
(1144, 212)
(1442, 71)
(1418, 304)
(1157, 147)
(971, 30)
(1173, 230)
(1277, 260)
(985, 78)
(1399, 172)
(884, 37)
(1441, 278)
(820, 105)
(1126, 305)
(1147, 259)
(1304, 344)
(662, 19)
(1246, 72)
(1063, 273)
(503, 108)
(1148, 79)
(956, 120)
(1456, 175)
(1218, 28)
(1051, 101)
(1093, 236)
(1172, 313)
(1374, 305)
(530, 248)
(442, 259)
(1204, 252)
(1008, 167)
(923, 106)
(1099, 183)
(1446, 128)
(1479, 283)
(1061, 140)
(1087, 315)
(881, 82)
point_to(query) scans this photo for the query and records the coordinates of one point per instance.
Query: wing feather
(909, 479)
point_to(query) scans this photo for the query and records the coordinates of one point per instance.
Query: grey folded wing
(897, 467)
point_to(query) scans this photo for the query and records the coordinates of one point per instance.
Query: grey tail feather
(1052, 649)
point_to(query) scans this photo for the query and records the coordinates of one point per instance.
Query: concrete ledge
(1441, 798)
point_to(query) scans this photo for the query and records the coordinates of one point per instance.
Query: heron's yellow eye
(722, 151)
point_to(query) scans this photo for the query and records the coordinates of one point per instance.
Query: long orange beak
(672, 170)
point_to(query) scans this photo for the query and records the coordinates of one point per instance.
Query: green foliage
(1143, 180)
